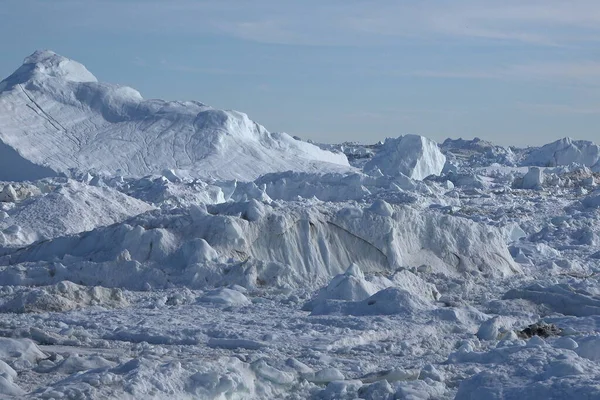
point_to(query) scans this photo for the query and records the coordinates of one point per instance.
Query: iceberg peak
(45, 63)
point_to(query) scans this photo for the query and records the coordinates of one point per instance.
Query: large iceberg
(55, 117)
(414, 156)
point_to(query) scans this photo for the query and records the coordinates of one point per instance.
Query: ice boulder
(390, 301)
(8, 194)
(225, 297)
(326, 375)
(381, 207)
(20, 352)
(7, 386)
(513, 232)
(533, 179)
(492, 328)
(349, 286)
(414, 156)
(413, 284)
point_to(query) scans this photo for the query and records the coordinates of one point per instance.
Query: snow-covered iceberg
(55, 117)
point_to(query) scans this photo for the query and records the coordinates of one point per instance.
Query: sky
(516, 72)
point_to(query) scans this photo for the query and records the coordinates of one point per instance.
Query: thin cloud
(581, 72)
(166, 65)
(206, 71)
(466, 74)
(565, 109)
(336, 22)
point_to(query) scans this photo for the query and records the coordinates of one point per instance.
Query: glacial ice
(56, 118)
(153, 249)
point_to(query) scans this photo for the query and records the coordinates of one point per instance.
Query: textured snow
(58, 118)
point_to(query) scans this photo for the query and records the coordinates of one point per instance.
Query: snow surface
(418, 273)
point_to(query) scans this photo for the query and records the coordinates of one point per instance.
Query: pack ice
(153, 250)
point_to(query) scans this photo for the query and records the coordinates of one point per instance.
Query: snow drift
(56, 117)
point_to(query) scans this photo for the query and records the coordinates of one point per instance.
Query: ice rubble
(536, 371)
(63, 296)
(332, 187)
(478, 152)
(58, 208)
(410, 278)
(16, 355)
(55, 117)
(414, 156)
(592, 201)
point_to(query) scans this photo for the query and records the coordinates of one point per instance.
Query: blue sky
(514, 72)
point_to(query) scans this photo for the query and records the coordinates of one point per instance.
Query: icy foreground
(465, 270)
